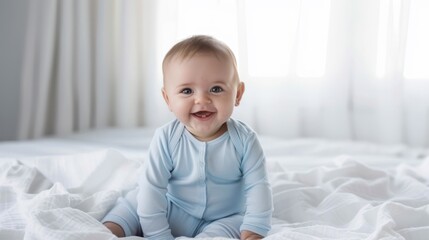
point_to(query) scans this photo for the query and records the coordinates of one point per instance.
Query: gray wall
(13, 21)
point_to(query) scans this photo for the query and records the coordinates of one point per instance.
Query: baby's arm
(259, 206)
(152, 196)
(122, 219)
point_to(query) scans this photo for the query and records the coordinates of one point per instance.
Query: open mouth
(202, 114)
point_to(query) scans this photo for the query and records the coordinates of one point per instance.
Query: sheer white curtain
(354, 69)
(320, 68)
(84, 64)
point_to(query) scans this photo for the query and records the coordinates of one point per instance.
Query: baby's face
(202, 92)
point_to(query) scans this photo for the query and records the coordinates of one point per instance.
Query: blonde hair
(188, 47)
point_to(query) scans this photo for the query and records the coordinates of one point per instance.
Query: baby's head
(201, 85)
(200, 44)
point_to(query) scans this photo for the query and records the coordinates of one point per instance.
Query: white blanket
(341, 199)
(64, 197)
(350, 200)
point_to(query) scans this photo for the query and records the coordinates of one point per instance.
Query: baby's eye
(216, 89)
(186, 91)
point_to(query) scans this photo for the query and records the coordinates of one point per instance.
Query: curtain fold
(38, 69)
(84, 65)
(103, 93)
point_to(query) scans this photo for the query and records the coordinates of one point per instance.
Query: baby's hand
(248, 235)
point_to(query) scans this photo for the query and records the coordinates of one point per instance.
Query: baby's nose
(202, 99)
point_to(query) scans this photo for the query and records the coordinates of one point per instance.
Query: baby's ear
(240, 92)
(165, 96)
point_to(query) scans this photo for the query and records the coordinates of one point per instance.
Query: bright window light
(382, 38)
(313, 38)
(417, 48)
(388, 32)
(217, 18)
(271, 32)
(279, 32)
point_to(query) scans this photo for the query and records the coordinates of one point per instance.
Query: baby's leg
(181, 223)
(228, 227)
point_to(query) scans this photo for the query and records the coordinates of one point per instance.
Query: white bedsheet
(322, 190)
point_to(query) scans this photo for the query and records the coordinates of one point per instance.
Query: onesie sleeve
(258, 197)
(153, 181)
(124, 213)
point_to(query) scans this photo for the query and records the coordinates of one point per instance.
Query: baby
(205, 175)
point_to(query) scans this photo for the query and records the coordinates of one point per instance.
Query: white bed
(59, 188)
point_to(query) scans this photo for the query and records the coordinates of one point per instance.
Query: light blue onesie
(204, 189)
